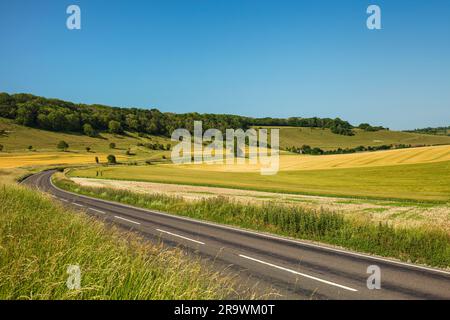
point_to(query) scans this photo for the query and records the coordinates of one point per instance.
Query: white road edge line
(177, 235)
(99, 211)
(127, 220)
(63, 200)
(298, 273)
(265, 235)
(79, 205)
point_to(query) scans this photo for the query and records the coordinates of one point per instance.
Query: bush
(1, 147)
(62, 145)
(112, 145)
(111, 159)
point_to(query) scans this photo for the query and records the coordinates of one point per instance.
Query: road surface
(295, 269)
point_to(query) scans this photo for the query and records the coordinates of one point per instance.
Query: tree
(88, 149)
(27, 114)
(62, 145)
(96, 160)
(30, 148)
(88, 130)
(112, 145)
(111, 159)
(114, 127)
(1, 147)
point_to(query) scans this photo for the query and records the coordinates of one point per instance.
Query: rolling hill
(323, 138)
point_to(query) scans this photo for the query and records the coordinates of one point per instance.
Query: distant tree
(112, 159)
(114, 127)
(364, 126)
(30, 148)
(62, 145)
(88, 149)
(96, 160)
(1, 147)
(88, 130)
(27, 114)
(112, 145)
(168, 146)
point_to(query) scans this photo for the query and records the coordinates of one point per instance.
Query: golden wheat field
(292, 162)
(15, 160)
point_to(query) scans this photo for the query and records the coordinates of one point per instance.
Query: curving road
(295, 269)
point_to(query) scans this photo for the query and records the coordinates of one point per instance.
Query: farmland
(421, 181)
(326, 140)
(17, 141)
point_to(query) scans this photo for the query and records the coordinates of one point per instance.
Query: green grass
(416, 182)
(420, 245)
(326, 140)
(39, 240)
(18, 138)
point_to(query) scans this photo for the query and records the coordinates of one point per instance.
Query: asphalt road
(295, 269)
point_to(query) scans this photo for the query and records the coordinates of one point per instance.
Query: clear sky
(249, 57)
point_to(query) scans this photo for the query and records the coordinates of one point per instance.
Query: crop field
(48, 158)
(293, 162)
(326, 140)
(419, 181)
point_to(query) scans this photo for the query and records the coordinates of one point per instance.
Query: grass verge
(39, 240)
(418, 245)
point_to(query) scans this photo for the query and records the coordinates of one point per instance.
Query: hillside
(17, 139)
(326, 140)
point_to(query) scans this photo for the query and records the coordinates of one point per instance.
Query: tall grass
(418, 245)
(39, 240)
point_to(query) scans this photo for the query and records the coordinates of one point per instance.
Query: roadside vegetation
(418, 245)
(39, 240)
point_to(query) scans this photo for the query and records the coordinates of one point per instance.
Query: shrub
(111, 159)
(62, 145)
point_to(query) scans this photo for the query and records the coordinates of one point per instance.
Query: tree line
(439, 131)
(58, 115)
(306, 149)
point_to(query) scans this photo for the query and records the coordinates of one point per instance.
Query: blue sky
(249, 57)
